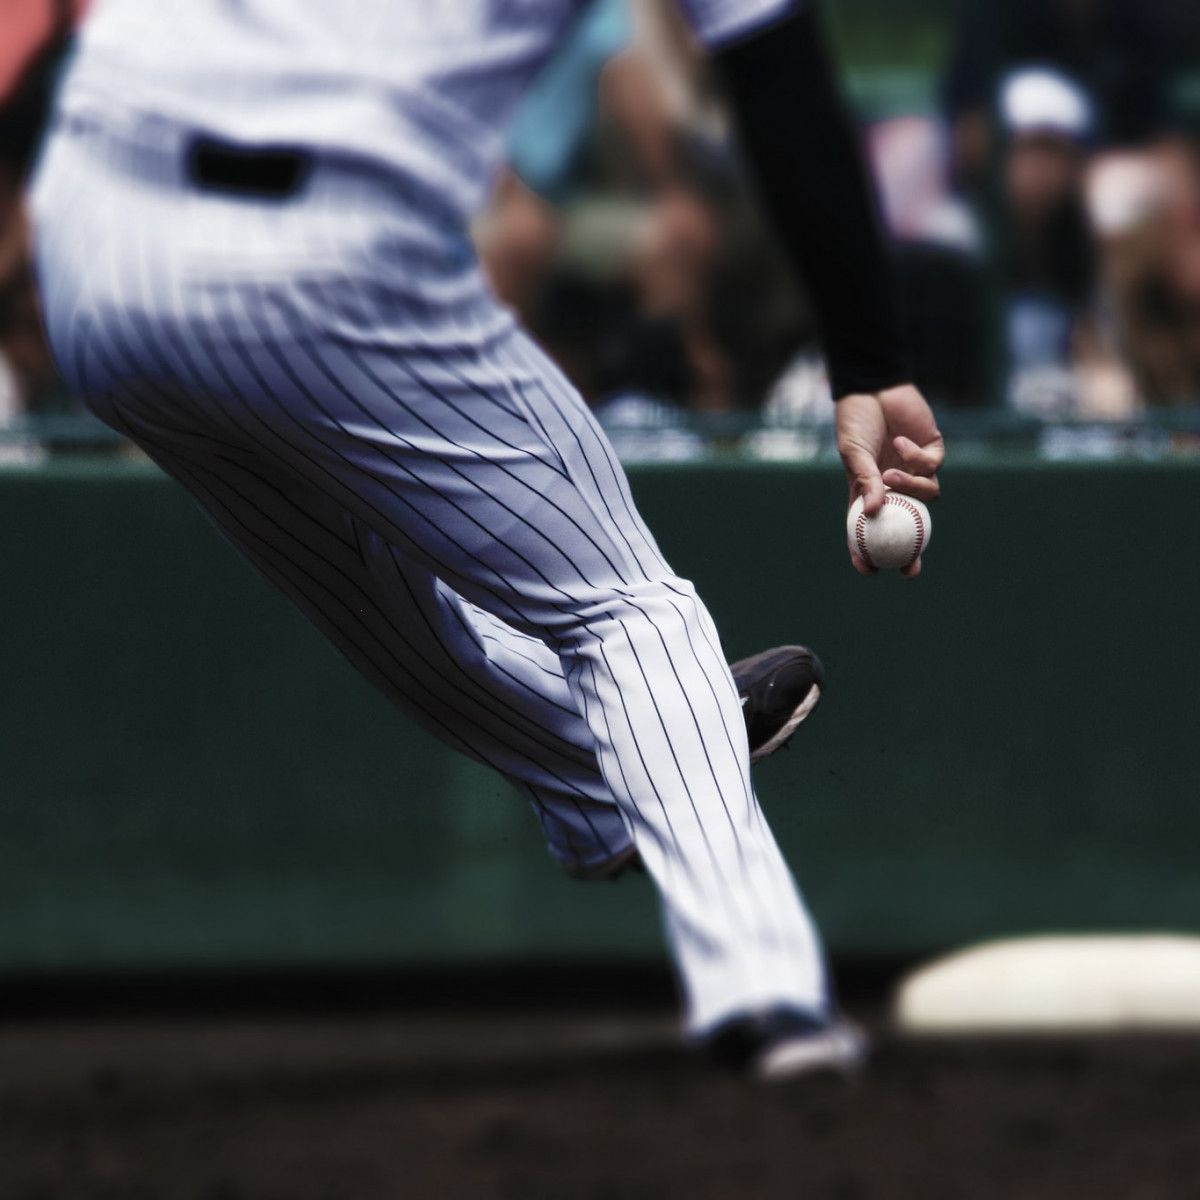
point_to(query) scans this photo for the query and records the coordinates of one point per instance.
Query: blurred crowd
(1042, 196)
(1043, 203)
(35, 36)
(1071, 140)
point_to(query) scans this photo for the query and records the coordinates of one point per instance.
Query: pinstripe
(676, 849)
(541, 696)
(574, 433)
(565, 749)
(558, 393)
(714, 859)
(461, 719)
(734, 749)
(570, 791)
(445, 508)
(442, 396)
(750, 881)
(678, 846)
(388, 522)
(554, 672)
(265, 551)
(375, 476)
(305, 515)
(423, 383)
(683, 691)
(572, 798)
(660, 636)
(489, 397)
(269, 547)
(754, 812)
(467, 478)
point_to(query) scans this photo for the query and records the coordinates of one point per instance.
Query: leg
(447, 434)
(516, 503)
(480, 686)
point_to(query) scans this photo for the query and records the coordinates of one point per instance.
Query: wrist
(844, 383)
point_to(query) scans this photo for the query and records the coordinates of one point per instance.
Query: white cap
(1041, 100)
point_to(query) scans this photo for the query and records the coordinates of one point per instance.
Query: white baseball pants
(330, 379)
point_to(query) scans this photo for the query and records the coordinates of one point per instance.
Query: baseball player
(251, 227)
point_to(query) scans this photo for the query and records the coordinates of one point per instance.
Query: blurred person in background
(661, 357)
(1045, 250)
(624, 234)
(1119, 52)
(1145, 209)
(520, 233)
(24, 359)
(1034, 91)
(35, 35)
(591, 140)
(592, 239)
(945, 284)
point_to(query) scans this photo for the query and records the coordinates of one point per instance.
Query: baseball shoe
(778, 688)
(787, 1043)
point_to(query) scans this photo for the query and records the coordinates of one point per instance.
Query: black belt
(271, 172)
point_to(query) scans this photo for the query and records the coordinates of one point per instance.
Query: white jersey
(423, 87)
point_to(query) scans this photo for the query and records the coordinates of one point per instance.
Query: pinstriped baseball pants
(331, 380)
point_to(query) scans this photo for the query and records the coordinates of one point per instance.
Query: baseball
(894, 537)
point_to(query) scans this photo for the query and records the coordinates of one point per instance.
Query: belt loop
(262, 172)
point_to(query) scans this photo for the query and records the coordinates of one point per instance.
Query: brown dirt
(499, 1103)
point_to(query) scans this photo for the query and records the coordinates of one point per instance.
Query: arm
(803, 149)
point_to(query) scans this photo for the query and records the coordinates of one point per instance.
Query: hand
(889, 440)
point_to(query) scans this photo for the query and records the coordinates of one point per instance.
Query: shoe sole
(839, 1053)
(783, 735)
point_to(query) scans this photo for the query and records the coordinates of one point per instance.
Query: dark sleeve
(803, 149)
(969, 81)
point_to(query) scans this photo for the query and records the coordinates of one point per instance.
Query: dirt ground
(497, 1100)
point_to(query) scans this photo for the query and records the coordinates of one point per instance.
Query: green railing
(193, 777)
(1165, 433)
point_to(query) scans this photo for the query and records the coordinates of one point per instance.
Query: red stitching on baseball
(860, 536)
(905, 502)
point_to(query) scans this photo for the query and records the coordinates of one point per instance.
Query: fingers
(863, 568)
(921, 463)
(920, 460)
(912, 485)
(863, 473)
(920, 478)
(860, 564)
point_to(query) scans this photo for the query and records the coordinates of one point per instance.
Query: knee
(663, 603)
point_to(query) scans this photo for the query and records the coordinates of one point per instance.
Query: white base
(1057, 984)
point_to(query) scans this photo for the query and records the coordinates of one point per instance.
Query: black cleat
(779, 688)
(786, 1043)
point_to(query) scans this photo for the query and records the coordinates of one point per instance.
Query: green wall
(189, 776)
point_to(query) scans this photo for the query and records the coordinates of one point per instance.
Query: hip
(129, 225)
